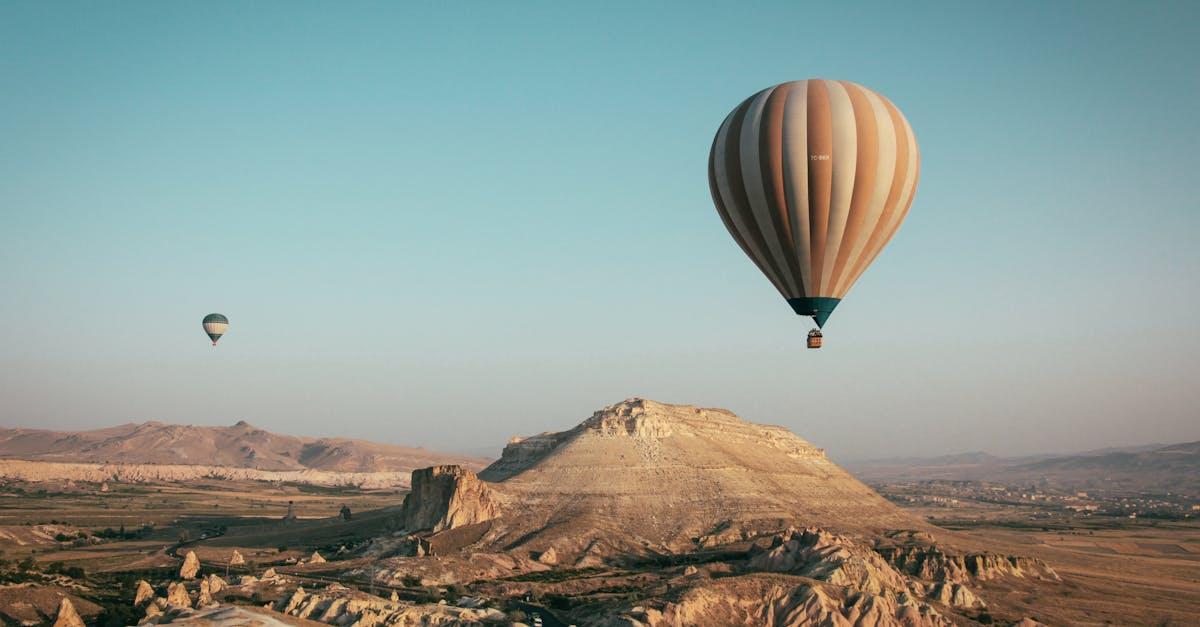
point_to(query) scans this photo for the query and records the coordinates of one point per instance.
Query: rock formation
(781, 601)
(955, 595)
(236, 559)
(935, 564)
(445, 497)
(216, 584)
(548, 557)
(715, 498)
(177, 596)
(191, 566)
(644, 476)
(818, 554)
(67, 616)
(143, 595)
(338, 605)
(316, 558)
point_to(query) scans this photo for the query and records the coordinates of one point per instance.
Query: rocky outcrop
(67, 616)
(338, 605)
(190, 567)
(143, 594)
(934, 564)
(177, 596)
(204, 595)
(955, 595)
(780, 601)
(236, 559)
(548, 557)
(446, 497)
(818, 554)
(216, 584)
(316, 558)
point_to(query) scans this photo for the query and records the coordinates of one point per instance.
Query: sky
(445, 224)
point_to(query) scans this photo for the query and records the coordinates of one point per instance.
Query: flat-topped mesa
(644, 418)
(650, 422)
(642, 476)
(445, 497)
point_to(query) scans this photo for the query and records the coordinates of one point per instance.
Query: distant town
(983, 500)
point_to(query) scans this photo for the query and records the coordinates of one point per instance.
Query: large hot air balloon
(812, 178)
(215, 325)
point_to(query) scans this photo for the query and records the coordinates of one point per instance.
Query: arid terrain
(1152, 468)
(241, 445)
(643, 514)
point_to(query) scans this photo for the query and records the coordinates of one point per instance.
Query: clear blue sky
(448, 223)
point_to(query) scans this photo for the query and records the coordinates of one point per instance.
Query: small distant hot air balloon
(812, 179)
(215, 325)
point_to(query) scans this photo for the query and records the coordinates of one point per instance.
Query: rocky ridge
(37, 471)
(241, 445)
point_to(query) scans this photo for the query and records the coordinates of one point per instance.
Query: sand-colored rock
(190, 567)
(153, 610)
(935, 564)
(67, 616)
(783, 601)
(216, 584)
(316, 558)
(548, 557)
(204, 595)
(818, 554)
(177, 596)
(955, 595)
(236, 559)
(144, 593)
(342, 606)
(446, 497)
(641, 474)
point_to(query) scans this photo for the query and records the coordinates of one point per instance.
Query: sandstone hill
(238, 446)
(647, 477)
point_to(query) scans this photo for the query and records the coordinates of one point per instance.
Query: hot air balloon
(812, 178)
(215, 325)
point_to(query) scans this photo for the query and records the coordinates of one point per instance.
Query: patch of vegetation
(554, 576)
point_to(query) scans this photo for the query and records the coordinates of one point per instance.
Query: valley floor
(1120, 572)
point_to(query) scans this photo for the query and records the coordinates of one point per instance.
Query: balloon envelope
(215, 325)
(812, 179)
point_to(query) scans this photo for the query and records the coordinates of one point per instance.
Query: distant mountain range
(239, 446)
(1154, 467)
